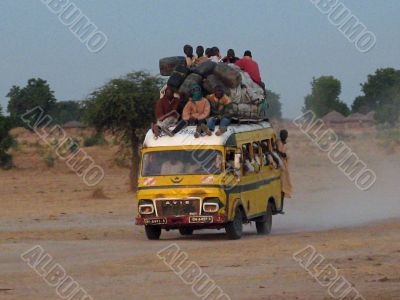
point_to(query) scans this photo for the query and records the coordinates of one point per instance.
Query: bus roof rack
(186, 136)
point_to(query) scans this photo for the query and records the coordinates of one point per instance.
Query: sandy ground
(97, 243)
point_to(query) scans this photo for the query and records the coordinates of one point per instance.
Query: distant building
(337, 121)
(334, 119)
(359, 121)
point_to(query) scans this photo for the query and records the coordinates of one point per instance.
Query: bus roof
(186, 136)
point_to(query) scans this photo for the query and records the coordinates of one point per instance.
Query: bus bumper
(182, 220)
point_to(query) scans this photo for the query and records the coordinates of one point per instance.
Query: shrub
(97, 139)
(49, 160)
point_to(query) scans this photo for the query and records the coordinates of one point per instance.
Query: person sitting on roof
(190, 57)
(208, 53)
(196, 111)
(221, 110)
(200, 56)
(230, 57)
(215, 55)
(166, 113)
(248, 65)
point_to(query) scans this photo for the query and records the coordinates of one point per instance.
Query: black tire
(234, 229)
(153, 232)
(264, 227)
(168, 64)
(186, 231)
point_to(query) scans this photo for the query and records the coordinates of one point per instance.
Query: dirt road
(97, 243)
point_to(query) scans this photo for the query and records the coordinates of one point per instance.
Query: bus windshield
(182, 162)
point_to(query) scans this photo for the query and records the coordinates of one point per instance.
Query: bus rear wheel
(264, 227)
(153, 232)
(234, 229)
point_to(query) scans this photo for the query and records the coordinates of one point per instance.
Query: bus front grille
(178, 207)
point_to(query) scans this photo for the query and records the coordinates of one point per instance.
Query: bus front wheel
(234, 229)
(153, 232)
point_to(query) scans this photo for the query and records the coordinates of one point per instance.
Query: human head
(215, 51)
(200, 51)
(219, 91)
(169, 92)
(248, 53)
(218, 161)
(188, 50)
(283, 134)
(171, 157)
(231, 53)
(196, 92)
(208, 52)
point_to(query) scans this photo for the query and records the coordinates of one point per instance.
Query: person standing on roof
(200, 56)
(190, 57)
(196, 111)
(166, 113)
(248, 65)
(221, 110)
(230, 57)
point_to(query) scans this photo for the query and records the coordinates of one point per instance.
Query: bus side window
(257, 153)
(230, 162)
(265, 152)
(274, 152)
(247, 165)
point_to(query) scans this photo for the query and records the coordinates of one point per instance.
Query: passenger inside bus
(230, 162)
(172, 166)
(256, 154)
(267, 154)
(247, 162)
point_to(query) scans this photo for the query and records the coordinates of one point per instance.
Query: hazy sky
(291, 40)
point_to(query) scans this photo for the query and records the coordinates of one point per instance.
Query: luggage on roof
(248, 97)
(204, 69)
(189, 82)
(178, 76)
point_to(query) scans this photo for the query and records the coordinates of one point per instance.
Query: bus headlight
(211, 205)
(146, 207)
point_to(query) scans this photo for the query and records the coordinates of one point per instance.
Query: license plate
(204, 219)
(158, 221)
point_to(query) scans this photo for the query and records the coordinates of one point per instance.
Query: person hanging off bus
(287, 187)
(196, 111)
(166, 113)
(221, 110)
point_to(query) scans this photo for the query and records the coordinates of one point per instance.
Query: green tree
(274, 105)
(125, 107)
(324, 97)
(6, 141)
(381, 94)
(65, 111)
(37, 92)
